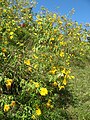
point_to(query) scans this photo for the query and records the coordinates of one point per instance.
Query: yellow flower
(11, 37)
(30, 69)
(33, 117)
(9, 83)
(15, 28)
(11, 33)
(40, 27)
(64, 82)
(55, 30)
(60, 22)
(38, 111)
(51, 106)
(61, 87)
(4, 50)
(61, 54)
(60, 37)
(55, 84)
(35, 66)
(31, 81)
(54, 16)
(43, 91)
(4, 10)
(13, 103)
(36, 57)
(67, 63)
(27, 62)
(53, 71)
(52, 38)
(36, 84)
(6, 42)
(6, 108)
(49, 100)
(64, 71)
(39, 22)
(73, 77)
(48, 104)
(62, 43)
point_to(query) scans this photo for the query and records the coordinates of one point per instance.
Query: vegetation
(44, 65)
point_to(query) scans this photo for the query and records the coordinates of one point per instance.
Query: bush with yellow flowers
(36, 54)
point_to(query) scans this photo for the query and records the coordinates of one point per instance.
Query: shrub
(35, 59)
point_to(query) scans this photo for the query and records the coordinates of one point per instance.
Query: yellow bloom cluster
(7, 106)
(66, 72)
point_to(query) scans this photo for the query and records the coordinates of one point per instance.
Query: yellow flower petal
(33, 117)
(64, 82)
(9, 81)
(61, 87)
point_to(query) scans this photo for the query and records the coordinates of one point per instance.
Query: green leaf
(0, 78)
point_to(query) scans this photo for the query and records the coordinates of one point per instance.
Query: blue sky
(82, 8)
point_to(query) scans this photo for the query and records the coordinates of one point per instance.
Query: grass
(81, 90)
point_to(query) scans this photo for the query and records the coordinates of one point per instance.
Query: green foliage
(35, 62)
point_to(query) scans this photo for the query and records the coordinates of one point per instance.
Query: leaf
(0, 78)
